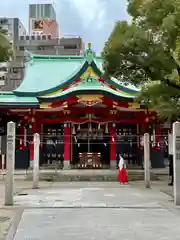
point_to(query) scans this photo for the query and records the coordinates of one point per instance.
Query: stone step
(60, 177)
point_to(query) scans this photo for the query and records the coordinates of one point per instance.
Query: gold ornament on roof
(89, 73)
(89, 45)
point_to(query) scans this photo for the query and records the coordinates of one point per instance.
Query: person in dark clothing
(171, 170)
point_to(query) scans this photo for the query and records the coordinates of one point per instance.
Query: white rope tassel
(90, 128)
(73, 130)
(106, 128)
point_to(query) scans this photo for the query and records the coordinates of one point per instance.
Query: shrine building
(84, 120)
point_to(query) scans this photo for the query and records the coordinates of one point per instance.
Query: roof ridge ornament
(89, 54)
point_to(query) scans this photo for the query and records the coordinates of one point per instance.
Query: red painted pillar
(67, 146)
(113, 147)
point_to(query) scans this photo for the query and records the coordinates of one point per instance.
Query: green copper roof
(10, 99)
(49, 77)
(45, 74)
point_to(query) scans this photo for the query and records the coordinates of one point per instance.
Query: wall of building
(43, 41)
(43, 45)
(42, 11)
(42, 20)
(15, 29)
(3, 73)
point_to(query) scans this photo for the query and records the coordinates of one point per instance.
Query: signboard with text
(177, 145)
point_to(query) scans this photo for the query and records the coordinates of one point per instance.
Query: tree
(146, 52)
(5, 46)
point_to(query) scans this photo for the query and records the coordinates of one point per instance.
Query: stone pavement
(92, 210)
(7, 214)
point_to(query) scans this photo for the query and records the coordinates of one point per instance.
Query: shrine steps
(57, 175)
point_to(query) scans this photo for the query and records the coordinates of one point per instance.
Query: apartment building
(40, 44)
(3, 73)
(12, 69)
(46, 45)
(42, 20)
(43, 38)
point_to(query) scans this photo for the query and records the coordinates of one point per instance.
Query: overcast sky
(93, 20)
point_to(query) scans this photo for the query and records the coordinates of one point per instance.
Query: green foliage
(146, 51)
(5, 47)
(161, 98)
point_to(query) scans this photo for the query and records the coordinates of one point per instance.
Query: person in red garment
(122, 174)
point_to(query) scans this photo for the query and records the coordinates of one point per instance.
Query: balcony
(38, 42)
(15, 76)
(2, 82)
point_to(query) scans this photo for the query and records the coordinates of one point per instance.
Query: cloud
(88, 10)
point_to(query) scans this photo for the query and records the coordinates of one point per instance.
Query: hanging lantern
(73, 130)
(106, 128)
(99, 126)
(147, 120)
(79, 128)
(113, 139)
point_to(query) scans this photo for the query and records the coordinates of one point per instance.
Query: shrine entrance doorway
(90, 146)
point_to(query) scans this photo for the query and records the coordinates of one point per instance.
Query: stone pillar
(10, 156)
(176, 161)
(113, 146)
(67, 146)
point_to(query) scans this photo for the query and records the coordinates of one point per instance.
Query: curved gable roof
(46, 73)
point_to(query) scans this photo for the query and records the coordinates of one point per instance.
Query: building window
(27, 37)
(21, 37)
(40, 47)
(33, 37)
(2, 82)
(3, 21)
(44, 37)
(74, 46)
(38, 11)
(47, 12)
(38, 37)
(33, 11)
(15, 70)
(21, 48)
(3, 69)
